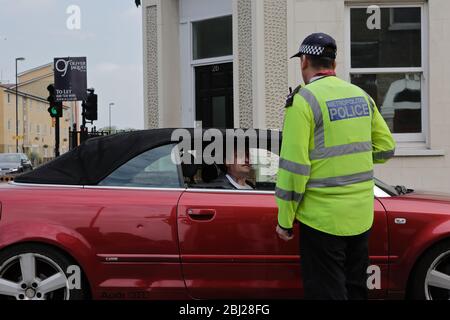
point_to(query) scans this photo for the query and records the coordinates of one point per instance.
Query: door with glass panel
(214, 95)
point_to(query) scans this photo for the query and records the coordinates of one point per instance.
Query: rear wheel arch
(60, 250)
(71, 242)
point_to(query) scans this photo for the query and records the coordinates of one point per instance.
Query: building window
(212, 44)
(9, 98)
(212, 38)
(9, 125)
(387, 61)
(38, 129)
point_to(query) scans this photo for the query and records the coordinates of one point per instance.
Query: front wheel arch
(422, 258)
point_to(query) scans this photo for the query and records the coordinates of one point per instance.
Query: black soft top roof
(97, 158)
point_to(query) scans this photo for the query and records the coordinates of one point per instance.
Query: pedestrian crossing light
(56, 109)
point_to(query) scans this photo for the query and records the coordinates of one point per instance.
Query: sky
(110, 36)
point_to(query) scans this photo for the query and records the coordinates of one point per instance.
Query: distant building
(226, 63)
(36, 129)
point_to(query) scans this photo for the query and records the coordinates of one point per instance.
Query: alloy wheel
(437, 281)
(31, 276)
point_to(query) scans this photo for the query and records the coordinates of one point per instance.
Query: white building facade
(225, 63)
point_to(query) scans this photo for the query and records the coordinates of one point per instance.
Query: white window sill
(418, 151)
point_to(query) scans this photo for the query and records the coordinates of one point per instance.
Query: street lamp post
(110, 105)
(17, 107)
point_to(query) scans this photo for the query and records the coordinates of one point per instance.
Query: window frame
(194, 63)
(422, 137)
(401, 25)
(269, 142)
(213, 59)
(189, 64)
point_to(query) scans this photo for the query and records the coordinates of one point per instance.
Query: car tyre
(431, 277)
(38, 272)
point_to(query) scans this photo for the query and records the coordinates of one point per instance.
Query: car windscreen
(386, 188)
(9, 158)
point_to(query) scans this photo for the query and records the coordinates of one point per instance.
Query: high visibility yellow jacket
(333, 134)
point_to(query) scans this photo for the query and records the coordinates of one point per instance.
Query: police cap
(319, 45)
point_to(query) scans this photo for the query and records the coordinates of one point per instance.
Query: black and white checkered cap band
(311, 50)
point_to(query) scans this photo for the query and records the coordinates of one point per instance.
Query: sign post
(70, 85)
(70, 79)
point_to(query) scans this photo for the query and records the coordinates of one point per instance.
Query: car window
(264, 168)
(262, 176)
(9, 158)
(151, 169)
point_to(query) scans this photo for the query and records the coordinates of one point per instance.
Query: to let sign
(70, 79)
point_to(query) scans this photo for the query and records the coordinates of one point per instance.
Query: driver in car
(237, 172)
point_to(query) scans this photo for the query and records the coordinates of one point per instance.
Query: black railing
(77, 137)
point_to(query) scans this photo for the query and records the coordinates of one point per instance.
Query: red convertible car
(117, 218)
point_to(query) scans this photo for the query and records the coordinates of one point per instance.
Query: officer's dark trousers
(333, 267)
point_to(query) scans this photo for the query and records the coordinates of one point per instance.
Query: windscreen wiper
(403, 190)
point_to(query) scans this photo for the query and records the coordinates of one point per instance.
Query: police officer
(333, 134)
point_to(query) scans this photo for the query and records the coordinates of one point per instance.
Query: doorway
(214, 95)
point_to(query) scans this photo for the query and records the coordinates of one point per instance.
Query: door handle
(201, 214)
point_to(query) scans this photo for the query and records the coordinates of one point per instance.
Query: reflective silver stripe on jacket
(383, 155)
(372, 106)
(288, 195)
(296, 168)
(341, 150)
(341, 181)
(319, 133)
(320, 151)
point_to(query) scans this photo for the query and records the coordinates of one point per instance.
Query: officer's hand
(284, 235)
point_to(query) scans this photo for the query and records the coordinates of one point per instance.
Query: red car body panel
(177, 244)
(235, 252)
(427, 223)
(124, 240)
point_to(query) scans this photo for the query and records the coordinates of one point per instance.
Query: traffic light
(56, 108)
(90, 106)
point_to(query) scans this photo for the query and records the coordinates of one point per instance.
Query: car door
(133, 228)
(228, 244)
(229, 248)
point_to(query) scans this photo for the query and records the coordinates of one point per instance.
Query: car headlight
(14, 170)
